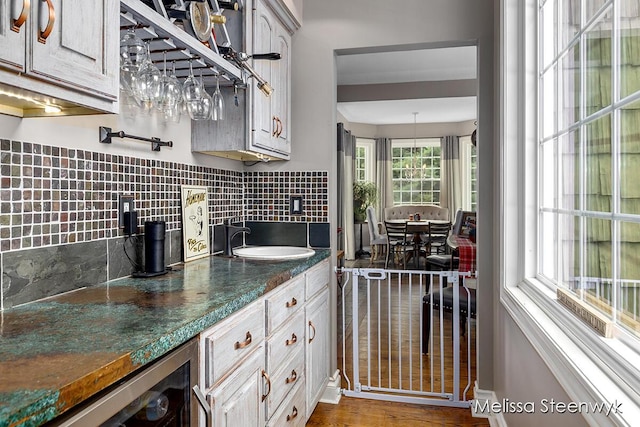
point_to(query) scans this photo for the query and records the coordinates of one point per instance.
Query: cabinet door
(318, 351)
(263, 123)
(12, 43)
(237, 401)
(81, 50)
(282, 83)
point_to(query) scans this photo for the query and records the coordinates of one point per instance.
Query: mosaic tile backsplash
(51, 196)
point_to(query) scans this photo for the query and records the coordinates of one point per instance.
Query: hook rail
(106, 134)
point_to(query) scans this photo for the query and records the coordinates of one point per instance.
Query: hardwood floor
(367, 412)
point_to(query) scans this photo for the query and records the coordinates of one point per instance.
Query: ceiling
(421, 65)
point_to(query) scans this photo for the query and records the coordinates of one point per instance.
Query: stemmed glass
(148, 83)
(191, 88)
(218, 102)
(173, 112)
(201, 108)
(171, 88)
(133, 53)
(132, 48)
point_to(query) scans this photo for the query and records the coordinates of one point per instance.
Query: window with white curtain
(416, 171)
(589, 152)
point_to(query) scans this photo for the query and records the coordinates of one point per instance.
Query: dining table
(417, 228)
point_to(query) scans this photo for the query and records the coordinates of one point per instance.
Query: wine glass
(173, 113)
(148, 83)
(132, 54)
(191, 88)
(128, 73)
(132, 48)
(201, 109)
(171, 88)
(217, 112)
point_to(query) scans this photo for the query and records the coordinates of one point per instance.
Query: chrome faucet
(229, 232)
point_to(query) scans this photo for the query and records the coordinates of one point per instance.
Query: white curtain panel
(383, 175)
(346, 166)
(465, 171)
(451, 193)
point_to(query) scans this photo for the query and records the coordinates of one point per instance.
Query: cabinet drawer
(288, 339)
(292, 412)
(284, 380)
(317, 278)
(284, 302)
(229, 343)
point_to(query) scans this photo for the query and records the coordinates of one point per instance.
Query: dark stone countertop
(55, 353)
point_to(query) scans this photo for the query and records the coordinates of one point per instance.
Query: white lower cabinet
(237, 401)
(268, 364)
(317, 348)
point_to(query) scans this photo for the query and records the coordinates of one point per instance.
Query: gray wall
(337, 25)
(507, 363)
(522, 376)
(331, 25)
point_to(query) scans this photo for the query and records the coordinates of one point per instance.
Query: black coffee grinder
(153, 249)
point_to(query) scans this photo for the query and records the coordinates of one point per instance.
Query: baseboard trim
(332, 392)
(482, 396)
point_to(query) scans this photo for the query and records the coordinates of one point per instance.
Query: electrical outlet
(125, 204)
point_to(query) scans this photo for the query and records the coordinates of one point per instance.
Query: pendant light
(414, 171)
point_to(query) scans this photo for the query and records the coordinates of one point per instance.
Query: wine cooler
(161, 395)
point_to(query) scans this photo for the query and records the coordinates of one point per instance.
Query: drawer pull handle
(17, 23)
(293, 414)
(292, 303)
(314, 331)
(48, 16)
(266, 377)
(292, 378)
(246, 342)
(293, 340)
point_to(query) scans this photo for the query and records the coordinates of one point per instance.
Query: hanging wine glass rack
(166, 38)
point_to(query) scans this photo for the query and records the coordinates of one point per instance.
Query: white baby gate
(383, 330)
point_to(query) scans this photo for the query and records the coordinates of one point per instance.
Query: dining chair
(433, 301)
(436, 237)
(377, 240)
(398, 242)
(442, 262)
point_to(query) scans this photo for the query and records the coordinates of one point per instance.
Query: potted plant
(364, 195)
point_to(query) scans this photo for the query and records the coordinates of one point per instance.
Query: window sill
(590, 368)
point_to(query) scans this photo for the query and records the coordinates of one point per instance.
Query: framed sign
(195, 222)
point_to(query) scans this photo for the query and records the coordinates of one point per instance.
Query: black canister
(154, 246)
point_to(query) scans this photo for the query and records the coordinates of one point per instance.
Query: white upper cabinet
(13, 27)
(66, 53)
(76, 53)
(256, 127)
(270, 130)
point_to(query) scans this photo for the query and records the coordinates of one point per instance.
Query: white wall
(82, 132)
